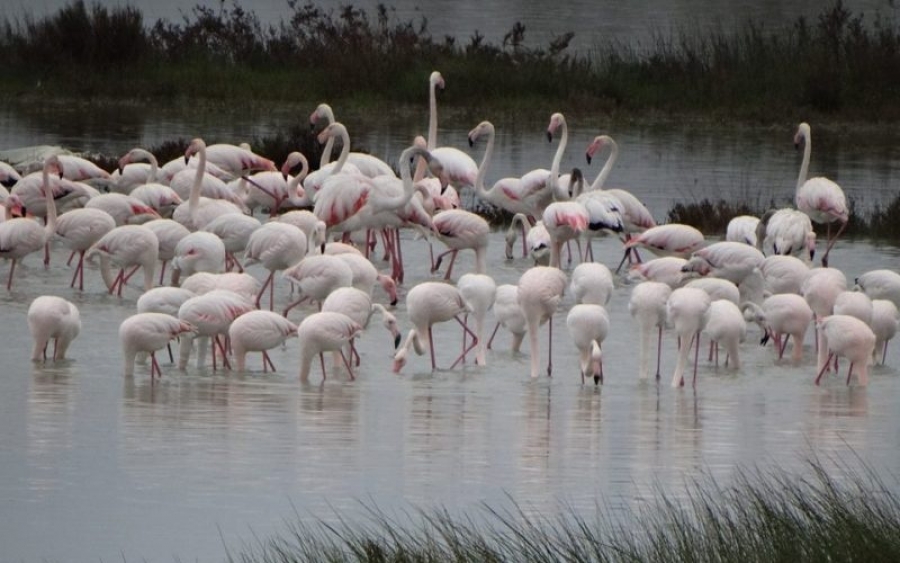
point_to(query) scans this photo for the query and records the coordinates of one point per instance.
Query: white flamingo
(459, 169)
(52, 318)
(726, 326)
(258, 331)
(80, 229)
(885, 319)
(592, 282)
(588, 326)
(324, 332)
(147, 333)
(848, 337)
(687, 310)
(781, 317)
(275, 246)
(647, 304)
(541, 289)
(479, 292)
(126, 246)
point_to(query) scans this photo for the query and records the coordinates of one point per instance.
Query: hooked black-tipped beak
(186, 159)
(598, 379)
(322, 248)
(394, 304)
(764, 340)
(396, 342)
(549, 137)
(471, 142)
(312, 126)
(587, 157)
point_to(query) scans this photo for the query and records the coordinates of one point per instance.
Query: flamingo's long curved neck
(600, 180)
(194, 201)
(804, 167)
(432, 115)
(154, 164)
(345, 148)
(557, 160)
(397, 201)
(328, 115)
(485, 161)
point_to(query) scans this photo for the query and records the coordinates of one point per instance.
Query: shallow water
(96, 466)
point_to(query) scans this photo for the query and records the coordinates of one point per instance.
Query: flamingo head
(556, 120)
(322, 111)
(196, 146)
(143, 210)
(596, 363)
(390, 323)
(399, 360)
(14, 205)
(480, 129)
(390, 287)
(596, 146)
(291, 162)
(801, 136)
(436, 80)
(333, 130)
(183, 327)
(811, 244)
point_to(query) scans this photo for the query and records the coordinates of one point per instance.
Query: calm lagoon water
(96, 466)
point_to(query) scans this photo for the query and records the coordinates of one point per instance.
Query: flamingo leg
(225, 363)
(322, 361)
(884, 352)
(347, 365)
(696, 356)
(169, 348)
(431, 348)
(75, 275)
(824, 367)
(162, 271)
(550, 347)
(262, 290)
(71, 256)
(849, 373)
(784, 344)
(266, 359)
(622, 261)
(12, 268)
(154, 366)
(831, 241)
(294, 304)
(493, 334)
(465, 351)
(398, 249)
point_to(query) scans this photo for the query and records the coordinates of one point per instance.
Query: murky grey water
(100, 467)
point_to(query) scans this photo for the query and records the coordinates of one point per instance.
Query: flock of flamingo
(196, 216)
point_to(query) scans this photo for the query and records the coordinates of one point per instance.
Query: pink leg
(267, 359)
(294, 304)
(696, 356)
(262, 290)
(347, 365)
(824, 367)
(431, 348)
(658, 352)
(71, 256)
(12, 268)
(550, 348)
(154, 366)
(849, 373)
(493, 334)
(465, 351)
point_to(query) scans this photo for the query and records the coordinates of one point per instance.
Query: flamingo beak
(598, 379)
(396, 341)
(471, 142)
(588, 157)
(549, 137)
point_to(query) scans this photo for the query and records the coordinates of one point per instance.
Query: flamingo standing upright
(367, 164)
(148, 332)
(20, 237)
(479, 292)
(198, 211)
(459, 169)
(588, 326)
(258, 331)
(52, 318)
(820, 198)
(460, 229)
(540, 291)
(565, 221)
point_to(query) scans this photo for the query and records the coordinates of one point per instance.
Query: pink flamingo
(849, 337)
(460, 229)
(52, 318)
(725, 325)
(316, 276)
(592, 282)
(365, 276)
(273, 189)
(647, 304)
(820, 198)
(783, 274)
(784, 314)
(358, 305)
(234, 230)
(509, 315)
(588, 326)
(125, 209)
(459, 169)
(199, 251)
(80, 229)
(536, 243)
(20, 237)
(506, 193)
(198, 211)
(687, 309)
(238, 160)
(276, 246)
(126, 246)
(540, 291)
(885, 319)
(880, 284)
(211, 314)
(565, 221)
(148, 332)
(821, 289)
(787, 231)
(168, 234)
(367, 164)
(743, 229)
(428, 303)
(324, 332)
(258, 331)
(478, 292)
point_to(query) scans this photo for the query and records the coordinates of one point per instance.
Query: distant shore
(836, 67)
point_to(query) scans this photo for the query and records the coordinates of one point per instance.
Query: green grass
(764, 516)
(838, 64)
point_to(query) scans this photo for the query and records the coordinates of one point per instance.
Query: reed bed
(764, 515)
(836, 64)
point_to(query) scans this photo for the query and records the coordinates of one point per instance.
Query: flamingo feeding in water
(325, 331)
(647, 304)
(148, 332)
(588, 326)
(52, 318)
(540, 291)
(687, 309)
(258, 331)
(850, 338)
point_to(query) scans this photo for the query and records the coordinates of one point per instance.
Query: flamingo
(854, 303)
(199, 251)
(687, 309)
(79, 169)
(316, 276)
(509, 315)
(540, 186)
(125, 209)
(367, 164)
(237, 160)
(133, 172)
(820, 198)
(198, 211)
(148, 332)
(459, 169)
(647, 304)
(537, 239)
(460, 229)
(787, 231)
(565, 220)
(8, 175)
(506, 193)
(258, 331)
(306, 221)
(365, 276)
(668, 270)
(733, 261)
(164, 299)
(358, 305)
(784, 314)
(273, 189)
(885, 319)
(783, 274)
(315, 180)
(726, 325)
(275, 246)
(820, 289)
(742, 229)
(588, 326)
(636, 218)
(235, 231)
(592, 282)
(324, 332)
(211, 314)
(52, 318)
(717, 288)
(428, 303)
(20, 237)
(478, 292)
(126, 246)
(541, 289)
(243, 284)
(880, 284)
(847, 336)
(672, 239)
(168, 234)
(80, 229)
